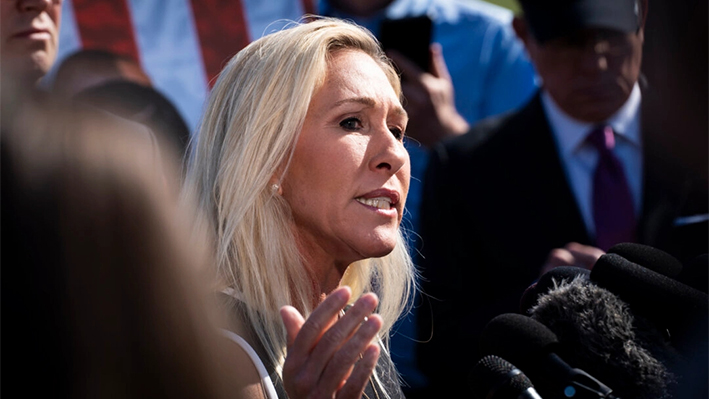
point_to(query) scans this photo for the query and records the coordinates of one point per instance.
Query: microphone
(533, 347)
(649, 257)
(495, 378)
(673, 305)
(547, 282)
(600, 334)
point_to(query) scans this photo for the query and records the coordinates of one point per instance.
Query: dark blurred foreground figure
(90, 68)
(117, 84)
(141, 104)
(578, 168)
(100, 291)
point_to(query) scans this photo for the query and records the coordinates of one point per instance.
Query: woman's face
(349, 176)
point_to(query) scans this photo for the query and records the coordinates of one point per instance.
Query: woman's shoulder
(253, 378)
(244, 374)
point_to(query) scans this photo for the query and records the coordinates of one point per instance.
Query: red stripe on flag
(106, 25)
(222, 30)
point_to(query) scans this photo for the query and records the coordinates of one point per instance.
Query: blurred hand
(331, 357)
(430, 101)
(573, 254)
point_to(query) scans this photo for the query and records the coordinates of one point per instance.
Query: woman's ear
(276, 181)
(276, 189)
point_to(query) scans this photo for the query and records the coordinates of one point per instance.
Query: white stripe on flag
(263, 16)
(170, 53)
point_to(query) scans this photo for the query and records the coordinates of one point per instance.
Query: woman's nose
(389, 154)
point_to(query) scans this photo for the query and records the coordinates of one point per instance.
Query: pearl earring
(275, 188)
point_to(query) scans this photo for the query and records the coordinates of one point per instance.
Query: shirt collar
(571, 133)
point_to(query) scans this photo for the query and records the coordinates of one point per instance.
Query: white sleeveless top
(266, 382)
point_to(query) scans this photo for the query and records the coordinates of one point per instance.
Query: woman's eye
(398, 133)
(351, 124)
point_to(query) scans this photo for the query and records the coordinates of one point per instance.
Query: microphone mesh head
(547, 282)
(495, 378)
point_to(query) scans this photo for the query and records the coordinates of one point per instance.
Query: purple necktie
(613, 211)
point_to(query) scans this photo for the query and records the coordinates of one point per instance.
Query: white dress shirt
(579, 157)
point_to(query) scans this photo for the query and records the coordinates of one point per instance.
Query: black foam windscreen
(535, 349)
(648, 257)
(495, 378)
(547, 282)
(518, 338)
(656, 296)
(602, 336)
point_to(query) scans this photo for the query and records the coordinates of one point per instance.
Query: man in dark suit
(558, 182)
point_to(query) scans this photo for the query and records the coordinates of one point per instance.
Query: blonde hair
(247, 135)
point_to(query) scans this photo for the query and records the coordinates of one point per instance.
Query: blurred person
(117, 84)
(89, 68)
(300, 164)
(679, 105)
(141, 104)
(30, 35)
(102, 294)
(557, 182)
(181, 45)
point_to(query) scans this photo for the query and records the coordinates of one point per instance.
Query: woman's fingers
(293, 321)
(347, 362)
(327, 355)
(339, 347)
(357, 381)
(319, 321)
(303, 336)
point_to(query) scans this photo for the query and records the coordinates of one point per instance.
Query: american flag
(181, 44)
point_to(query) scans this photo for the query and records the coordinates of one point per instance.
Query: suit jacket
(496, 201)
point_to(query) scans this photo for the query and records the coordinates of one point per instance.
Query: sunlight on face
(349, 176)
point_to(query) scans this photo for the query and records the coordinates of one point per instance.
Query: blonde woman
(300, 166)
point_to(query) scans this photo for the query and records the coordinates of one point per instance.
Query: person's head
(299, 163)
(360, 8)
(90, 68)
(587, 52)
(30, 36)
(142, 104)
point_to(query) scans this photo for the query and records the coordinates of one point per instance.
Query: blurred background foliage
(511, 4)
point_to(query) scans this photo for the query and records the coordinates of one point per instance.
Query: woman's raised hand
(331, 357)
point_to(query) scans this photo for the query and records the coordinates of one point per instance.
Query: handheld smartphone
(409, 36)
